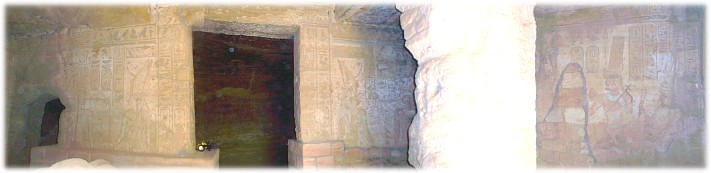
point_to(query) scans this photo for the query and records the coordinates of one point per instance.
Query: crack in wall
(585, 107)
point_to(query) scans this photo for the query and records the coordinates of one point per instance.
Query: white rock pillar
(475, 85)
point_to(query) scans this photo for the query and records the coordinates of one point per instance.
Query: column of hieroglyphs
(129, 90)
(175, 115)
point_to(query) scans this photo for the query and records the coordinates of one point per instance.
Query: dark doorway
(244, 97)
(50, 122)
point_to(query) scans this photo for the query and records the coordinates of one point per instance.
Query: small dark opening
(244, 97)
(50, 122)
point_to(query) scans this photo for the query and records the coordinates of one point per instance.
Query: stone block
(337, 148)
(148, 161)
(283, 15)
(340, 160)
(325, 162)
(103, 155)
(292, 145)
(181, 162)
(385, 152)
(291, 160)
(37, 154)
(39, 164)
(298, 149)
(55, 155)
(372, 152)
(354, 152)
(309, 162)
(298, 162)
(79, 154)
(396, 153)
(124, 161)
(316, 149)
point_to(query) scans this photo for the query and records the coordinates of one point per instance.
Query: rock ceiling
(368, 14)
(39, 20)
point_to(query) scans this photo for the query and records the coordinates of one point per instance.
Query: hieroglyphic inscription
(168, 52)
(113, 64)
(692, 56)
(677, 45)
(614, 64)
(165, 119)
(167, 14)
(322, 49)
(94, 72)
(677, 38)
(174, 92)
(101, 123)
(117, 119)
(577, 54)
(315, 50)
(663, 38)
(308, 60)
(649, 51)
(592, 59)
(637, 62)
(351, 98)
(658, 10)
(106, 71)
(114, 36)
(690, 37)
(691, 62)
(684, 49)
(347, 81)
(276, 14)
(664, 60)
(316, 59)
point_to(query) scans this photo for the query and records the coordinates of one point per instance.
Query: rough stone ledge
(45, 156)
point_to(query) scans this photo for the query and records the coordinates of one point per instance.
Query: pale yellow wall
(126, 76)
(128, 87)
(336, 62)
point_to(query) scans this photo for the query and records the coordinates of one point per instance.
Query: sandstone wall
(475, 85)
(31, 62)
(125, 74)
(620, 86)
(352, 80)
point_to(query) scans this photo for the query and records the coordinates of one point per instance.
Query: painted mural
(620, 86)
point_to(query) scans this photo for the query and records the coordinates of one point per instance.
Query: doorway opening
(49, 129)
(244, 97)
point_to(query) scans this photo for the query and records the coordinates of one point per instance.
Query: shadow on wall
(50, 122)
(40, 126)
